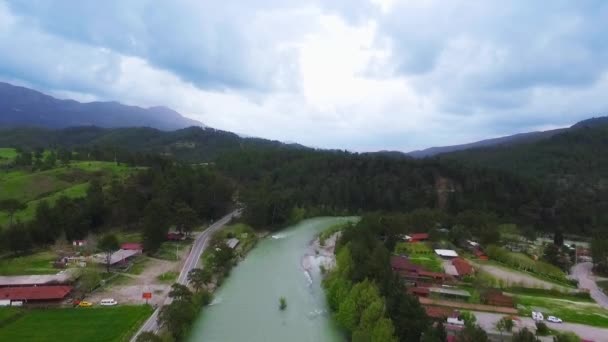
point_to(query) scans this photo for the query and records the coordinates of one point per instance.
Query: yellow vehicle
(84, 304)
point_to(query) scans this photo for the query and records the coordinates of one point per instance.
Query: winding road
(199, 246)
(586, 280)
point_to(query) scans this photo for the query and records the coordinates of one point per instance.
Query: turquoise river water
(246, 307)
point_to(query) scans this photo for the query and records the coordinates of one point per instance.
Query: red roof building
(434, 275)
(132, 246)
(438, 312)
(417, 237)
(497, 298)
(480, 255)
(401, 263)
(419, 291)
(174, 236)
(35, 293)
(462, 267)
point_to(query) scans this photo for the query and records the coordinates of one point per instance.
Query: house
(417, 237)
(438, 312)
(446, 253)
(401, 263)
(419, 291)
(450, 292)
(63, 277)
(232, 243)
(120, 256)
(79, 243)
(463, 268)
(434, 275)
(497, 298)
(132, 246)
(175, 236)
(480, 254)
(35, 293)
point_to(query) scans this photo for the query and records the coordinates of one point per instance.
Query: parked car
(455, 321)
(554, 319)
(108, 302)
(537, 316)
(85, 304)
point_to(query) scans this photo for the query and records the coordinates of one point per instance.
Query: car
(108, 302)
(85, 304)
(537, 316)
(554, 319)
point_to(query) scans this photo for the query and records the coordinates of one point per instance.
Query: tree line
(162, 195)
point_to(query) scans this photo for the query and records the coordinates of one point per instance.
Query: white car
(108, 302)
(554, 319)
(537, 316)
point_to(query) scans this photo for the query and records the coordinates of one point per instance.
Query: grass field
(7, 155)
(168, 277)
(139, 265)
(168, 249)
(71, 181)
(420, 254)
(38, 263)
(76, 324)
(571, 311)
(7, 314)
(76, 191)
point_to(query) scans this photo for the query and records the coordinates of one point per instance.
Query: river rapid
(246, 306)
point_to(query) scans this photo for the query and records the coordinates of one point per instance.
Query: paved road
(197, 250)
(583, 273)
(488, 322)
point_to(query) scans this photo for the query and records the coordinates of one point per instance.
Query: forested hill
(577, 154)
(193, 144)
(506, 141)
(21, 106)
(572, 165)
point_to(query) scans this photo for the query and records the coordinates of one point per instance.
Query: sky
(361, 75)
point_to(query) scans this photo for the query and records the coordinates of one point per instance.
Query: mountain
(194, 144)
(520, 138)
(21, 106)
(574, 155)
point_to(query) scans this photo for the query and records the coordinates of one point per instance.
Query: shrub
(542, 329)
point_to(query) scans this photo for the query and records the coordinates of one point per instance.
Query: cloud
(361, 74)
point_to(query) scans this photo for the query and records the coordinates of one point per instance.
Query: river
(246, 306)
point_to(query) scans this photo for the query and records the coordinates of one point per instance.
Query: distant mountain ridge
(20, 106)
(510, 140)
(194, 144)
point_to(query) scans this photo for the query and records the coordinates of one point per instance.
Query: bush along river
(247, 305)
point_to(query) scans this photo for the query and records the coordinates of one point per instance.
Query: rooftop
(35, 292)
(118, 256)
(232, 243)
(462, 266)
(59, 278)
(446, 253)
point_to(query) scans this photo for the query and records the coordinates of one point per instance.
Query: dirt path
(512, 277)
(583, 273)
(130, 291)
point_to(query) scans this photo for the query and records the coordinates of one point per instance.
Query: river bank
(285, 264)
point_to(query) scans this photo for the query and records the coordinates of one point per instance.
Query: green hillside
(71, 181)
(7, 155)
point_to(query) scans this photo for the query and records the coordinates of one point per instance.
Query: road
(488, 322)
(197, 250)
(583, 273)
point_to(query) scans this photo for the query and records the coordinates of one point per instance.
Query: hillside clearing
(38, 263)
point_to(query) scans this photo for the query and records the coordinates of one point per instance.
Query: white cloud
(362, 75)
